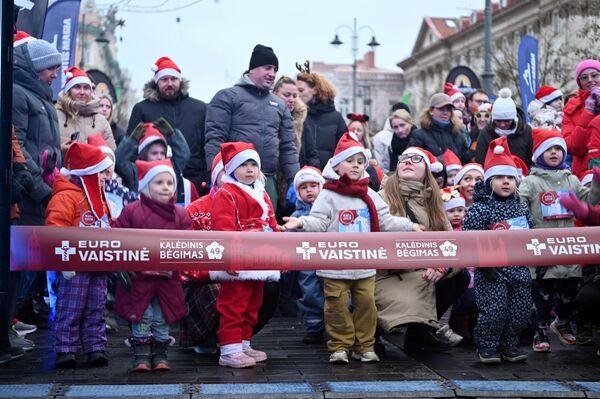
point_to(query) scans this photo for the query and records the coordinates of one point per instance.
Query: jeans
(153, 323)
(312, 301)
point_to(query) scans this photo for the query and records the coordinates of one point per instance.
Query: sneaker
(65, 360)
(339, 357)
(237, 360)
(97, 359)
(15, 352)
(258, 356)
(21, 328)
(564, 332)
(313, 337)
(23, 343)
(513, 355)
(445, 333)
(540, 341)
(366, 357)
(488, 356)
(585, 335)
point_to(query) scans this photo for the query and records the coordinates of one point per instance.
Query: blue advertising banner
(528, 70)
(60, 29)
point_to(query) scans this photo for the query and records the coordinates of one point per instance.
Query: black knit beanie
(263, 55)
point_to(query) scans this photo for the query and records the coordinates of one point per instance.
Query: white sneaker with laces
(366, 357)
(237, 360)
(445, 333)
(258, 356)
(339, 357)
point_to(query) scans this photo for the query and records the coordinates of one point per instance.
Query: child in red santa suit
(241, 204)
(154, 299)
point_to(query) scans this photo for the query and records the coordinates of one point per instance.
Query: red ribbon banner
(81, 249)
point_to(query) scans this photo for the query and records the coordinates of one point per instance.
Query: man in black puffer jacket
(166, 96)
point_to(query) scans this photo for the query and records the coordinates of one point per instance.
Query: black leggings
(449, 290)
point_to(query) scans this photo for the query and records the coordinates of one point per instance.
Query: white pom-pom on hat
(437, 167)
(69, 75)
(505, 92)
(154, 68)
(498, 149)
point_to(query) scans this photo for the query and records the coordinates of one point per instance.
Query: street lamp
(355, 32)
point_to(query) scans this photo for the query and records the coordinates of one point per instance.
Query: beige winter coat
(83, 118)
(402, 296)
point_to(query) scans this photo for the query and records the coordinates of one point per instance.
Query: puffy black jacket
(249, 114)
(437, 140)
(520, 142)
(36, 127)
(326, 126)
(184, 113)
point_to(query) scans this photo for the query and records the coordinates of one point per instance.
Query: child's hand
(418, 227)
(280, 228)
(292, 223)
(233, 273)
(580, 209)
(432, 274)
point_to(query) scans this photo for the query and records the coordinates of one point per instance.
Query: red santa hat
(586, 177)
(499, 161)
(150, 136)
(147, 170)
(217, 167)
(98, 140)
(466, 169)
(547, 94)
(165, 66)
(546, 138)
(522, 168)
(452, 198)
(235, 154)
(452, 91)
(308, 174)
(75, 76)
(86, 161)
(451, 161)
(348, 146)
(22, 37)
(432, 162)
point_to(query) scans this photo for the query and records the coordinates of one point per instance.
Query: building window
(557, 71)
(344, 103)
(367, 106)
(556, 22)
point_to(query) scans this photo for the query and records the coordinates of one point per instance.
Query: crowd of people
(273, 155)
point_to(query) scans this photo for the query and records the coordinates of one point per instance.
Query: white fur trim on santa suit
(257, 193)
(305, 175)
(548, 144)
(167, 72)
(245, 275)
(78, 80)
(455, 203)
(434, 167)
(348, 152)
(501, 170)
(99, 167)
(151, 140)
(215, 173)
(551, 97)
(152, 174)
(240, 158)
(466, 169)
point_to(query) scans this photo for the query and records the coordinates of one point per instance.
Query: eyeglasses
(414, 158)
(482, 114)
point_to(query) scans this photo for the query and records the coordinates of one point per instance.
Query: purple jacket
(150, 214)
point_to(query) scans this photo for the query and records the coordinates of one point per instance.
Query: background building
(567, 32)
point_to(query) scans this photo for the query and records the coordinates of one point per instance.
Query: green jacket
(540, 181)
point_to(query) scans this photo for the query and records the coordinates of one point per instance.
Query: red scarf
(358, 189)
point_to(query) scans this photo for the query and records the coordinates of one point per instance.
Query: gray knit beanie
(43, 55)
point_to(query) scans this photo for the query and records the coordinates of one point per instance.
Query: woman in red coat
(580, 116)
(155, 298)
(241, 204)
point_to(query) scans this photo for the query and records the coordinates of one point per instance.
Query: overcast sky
(213, 41)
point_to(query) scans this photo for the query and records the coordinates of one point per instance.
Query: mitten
(48, 161)
(490, 274)
(164, 127)
(138, 132)
(590, 104)
(580, 209)
(290, 196)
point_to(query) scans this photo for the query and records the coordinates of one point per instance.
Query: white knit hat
(504, 107)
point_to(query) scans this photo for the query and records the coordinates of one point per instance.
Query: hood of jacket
(62, 184)
(151, 90)
(25, 75)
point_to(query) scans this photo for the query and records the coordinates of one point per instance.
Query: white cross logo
(64, 251)
(306, 250)
(536, 247)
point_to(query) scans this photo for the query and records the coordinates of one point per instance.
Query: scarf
(359, 189)
(440, 123)
(541, 163)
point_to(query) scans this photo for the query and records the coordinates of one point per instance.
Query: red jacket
(577, 129)
(131, 305)
(199, 212)
(235, 210)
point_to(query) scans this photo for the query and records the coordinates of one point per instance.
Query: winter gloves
(138, 132)
(48, 164)
(580, 209)
(290, 196)
(163, 127)
(593, 100)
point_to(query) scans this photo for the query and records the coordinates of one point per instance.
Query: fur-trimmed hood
(151, 90)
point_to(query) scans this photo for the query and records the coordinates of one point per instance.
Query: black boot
(159, 356)
(141, 353)
(421, 337)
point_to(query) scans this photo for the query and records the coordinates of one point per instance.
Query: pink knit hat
(585, 64)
